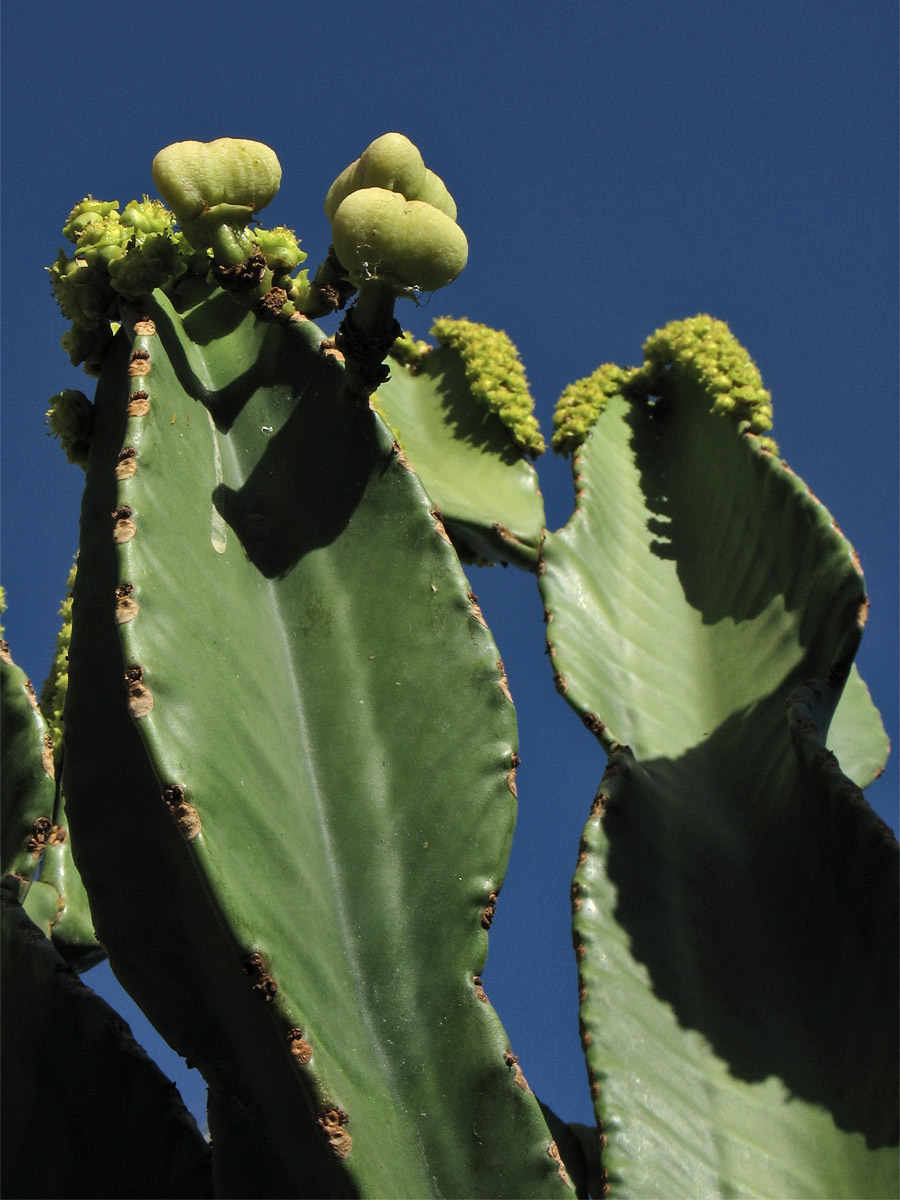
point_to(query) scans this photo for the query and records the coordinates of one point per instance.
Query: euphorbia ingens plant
(280, 745)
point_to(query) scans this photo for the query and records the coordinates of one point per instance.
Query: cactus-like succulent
(288, 776)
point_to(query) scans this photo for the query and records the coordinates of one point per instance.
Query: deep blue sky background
(617, 164)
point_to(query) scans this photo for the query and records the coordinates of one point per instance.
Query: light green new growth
(581, 404)
(53, 693)
(128, 254)
(394, 163)
(70, 418)
(125, 254)
(496, 376)
(409, 245)
(281, 247)
(410, 352)
(393, 222)
(707, 351)
(699, 350)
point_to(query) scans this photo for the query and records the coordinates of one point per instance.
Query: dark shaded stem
(374, 311)
(366, 335)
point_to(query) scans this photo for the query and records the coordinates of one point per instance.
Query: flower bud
(86, 212)
(87, 345)
(147, 216)
(148, 263)
(281, 248)
(391, 162)
(434, 191)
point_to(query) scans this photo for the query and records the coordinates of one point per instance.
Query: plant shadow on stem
(761, 901)
(763, 929)
(303, 489)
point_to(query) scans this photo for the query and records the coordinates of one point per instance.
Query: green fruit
(391, 162)
(211, 184)
(434, 191)
(410, 245)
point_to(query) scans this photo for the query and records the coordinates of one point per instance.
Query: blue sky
(617, 165)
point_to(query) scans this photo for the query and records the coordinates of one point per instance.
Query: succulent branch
(286, 748)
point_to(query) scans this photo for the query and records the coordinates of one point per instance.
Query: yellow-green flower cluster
(281, 248)
(705, 350)
(496, 376)
(117, 254)
(581, 404)
(410, 352)
(128, 254)
(70, 418)
(53, 693)
(700, 350)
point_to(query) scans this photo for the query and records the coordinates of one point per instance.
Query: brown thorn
(487, 916)
(138, 404)
(475, 609)
(300, 1049)
(185, 815)
(439, 525)
(140, 698)
(139, 364)
(126, 465)
(332, 1122)
(126, 608)
(124, 528)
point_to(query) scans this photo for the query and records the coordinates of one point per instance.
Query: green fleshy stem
(366, 336)
(230, 245)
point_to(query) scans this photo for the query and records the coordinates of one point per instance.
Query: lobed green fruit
(391, 162)
(434, 191)
(408, 244)
(211, 184)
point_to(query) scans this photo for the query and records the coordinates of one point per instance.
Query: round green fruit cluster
(393, 220)
(215, 188)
